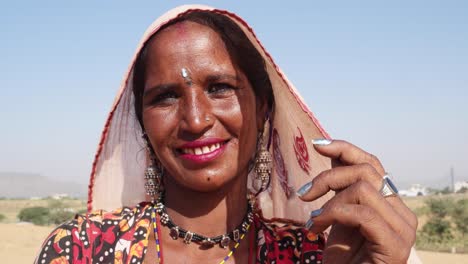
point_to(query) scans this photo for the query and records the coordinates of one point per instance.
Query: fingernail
(304, 189)
(321, 141)
(316, 213)
(309, 224)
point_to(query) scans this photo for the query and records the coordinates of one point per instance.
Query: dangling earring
(153, 174)
(153, 184)
(262, 165)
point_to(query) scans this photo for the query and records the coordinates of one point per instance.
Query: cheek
(239, 118)
(238, 114)
(158, 126)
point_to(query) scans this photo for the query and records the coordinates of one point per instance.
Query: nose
(196, 113)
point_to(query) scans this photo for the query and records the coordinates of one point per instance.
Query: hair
(241, 51)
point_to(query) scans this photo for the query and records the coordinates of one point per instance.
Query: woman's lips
(202, 151)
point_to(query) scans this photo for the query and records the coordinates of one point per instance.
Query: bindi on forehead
(191, 31)
(181, 30)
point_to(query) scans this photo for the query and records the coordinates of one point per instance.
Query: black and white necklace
(189, 236)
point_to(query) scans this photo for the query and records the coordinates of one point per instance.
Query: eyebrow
(219, 77)
(209, 78)
(159, 87)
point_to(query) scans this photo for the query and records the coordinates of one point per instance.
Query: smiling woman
(175, 111)
(226, 139)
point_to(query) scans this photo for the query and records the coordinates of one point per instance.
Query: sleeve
(288, 243)
(312, 246)
(58, 246)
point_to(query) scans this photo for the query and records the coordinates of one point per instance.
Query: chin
(206, 188)
(206, 184)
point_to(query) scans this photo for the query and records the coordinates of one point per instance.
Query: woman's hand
(366, 227)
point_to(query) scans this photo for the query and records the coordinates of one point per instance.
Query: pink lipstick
(203, 150)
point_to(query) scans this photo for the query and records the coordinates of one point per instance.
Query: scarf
(117, 176)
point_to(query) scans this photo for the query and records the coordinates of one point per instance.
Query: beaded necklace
(188, 236)
(156, 234)
(158, 242)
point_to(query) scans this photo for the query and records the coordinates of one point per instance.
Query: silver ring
(388, 188)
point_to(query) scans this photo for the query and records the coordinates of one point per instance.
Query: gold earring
(153, 181)
(262, 166)
(153, 174)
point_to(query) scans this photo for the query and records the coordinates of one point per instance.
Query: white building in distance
(459, 185)
(413, 191)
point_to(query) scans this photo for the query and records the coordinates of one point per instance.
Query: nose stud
(185, 74)
(207, 119)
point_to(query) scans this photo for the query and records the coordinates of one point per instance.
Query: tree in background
(59, 212)
(438, 229)
(460, 216)
(37, 215)
(56, 212)
(446, 227)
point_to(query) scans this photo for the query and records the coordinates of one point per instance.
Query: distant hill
(26, 185)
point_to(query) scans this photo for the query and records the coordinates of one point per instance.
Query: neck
(208, 213)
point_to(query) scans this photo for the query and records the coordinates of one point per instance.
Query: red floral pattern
(121, 236)
(302, 154)
(280, 167)
(286, 243)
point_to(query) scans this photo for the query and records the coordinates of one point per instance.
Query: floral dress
(121, 236)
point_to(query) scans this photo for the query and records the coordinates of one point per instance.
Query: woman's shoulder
(100, 220)
(93, 234)
(103, 217)
(287, 240)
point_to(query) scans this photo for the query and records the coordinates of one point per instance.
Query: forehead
(186, 43)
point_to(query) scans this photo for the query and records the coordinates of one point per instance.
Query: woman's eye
(221, 88)
(164, 98)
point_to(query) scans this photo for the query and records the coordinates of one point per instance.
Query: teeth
(212, 147)
(206, 149)
(188, 151)
(215, 147)
(201, 150)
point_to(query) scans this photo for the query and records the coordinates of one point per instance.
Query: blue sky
(389, 76)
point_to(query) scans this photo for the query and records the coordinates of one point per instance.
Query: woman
(226, 141)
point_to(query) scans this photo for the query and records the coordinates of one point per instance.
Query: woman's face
(199, 110)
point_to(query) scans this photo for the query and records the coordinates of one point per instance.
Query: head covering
(117, 176)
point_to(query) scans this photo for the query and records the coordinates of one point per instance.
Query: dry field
(21, 241)
(446, 258)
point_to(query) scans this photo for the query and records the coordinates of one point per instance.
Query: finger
(347, 153)
(339, 178)
(365, 194)
(381, 237)
(401, 208)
